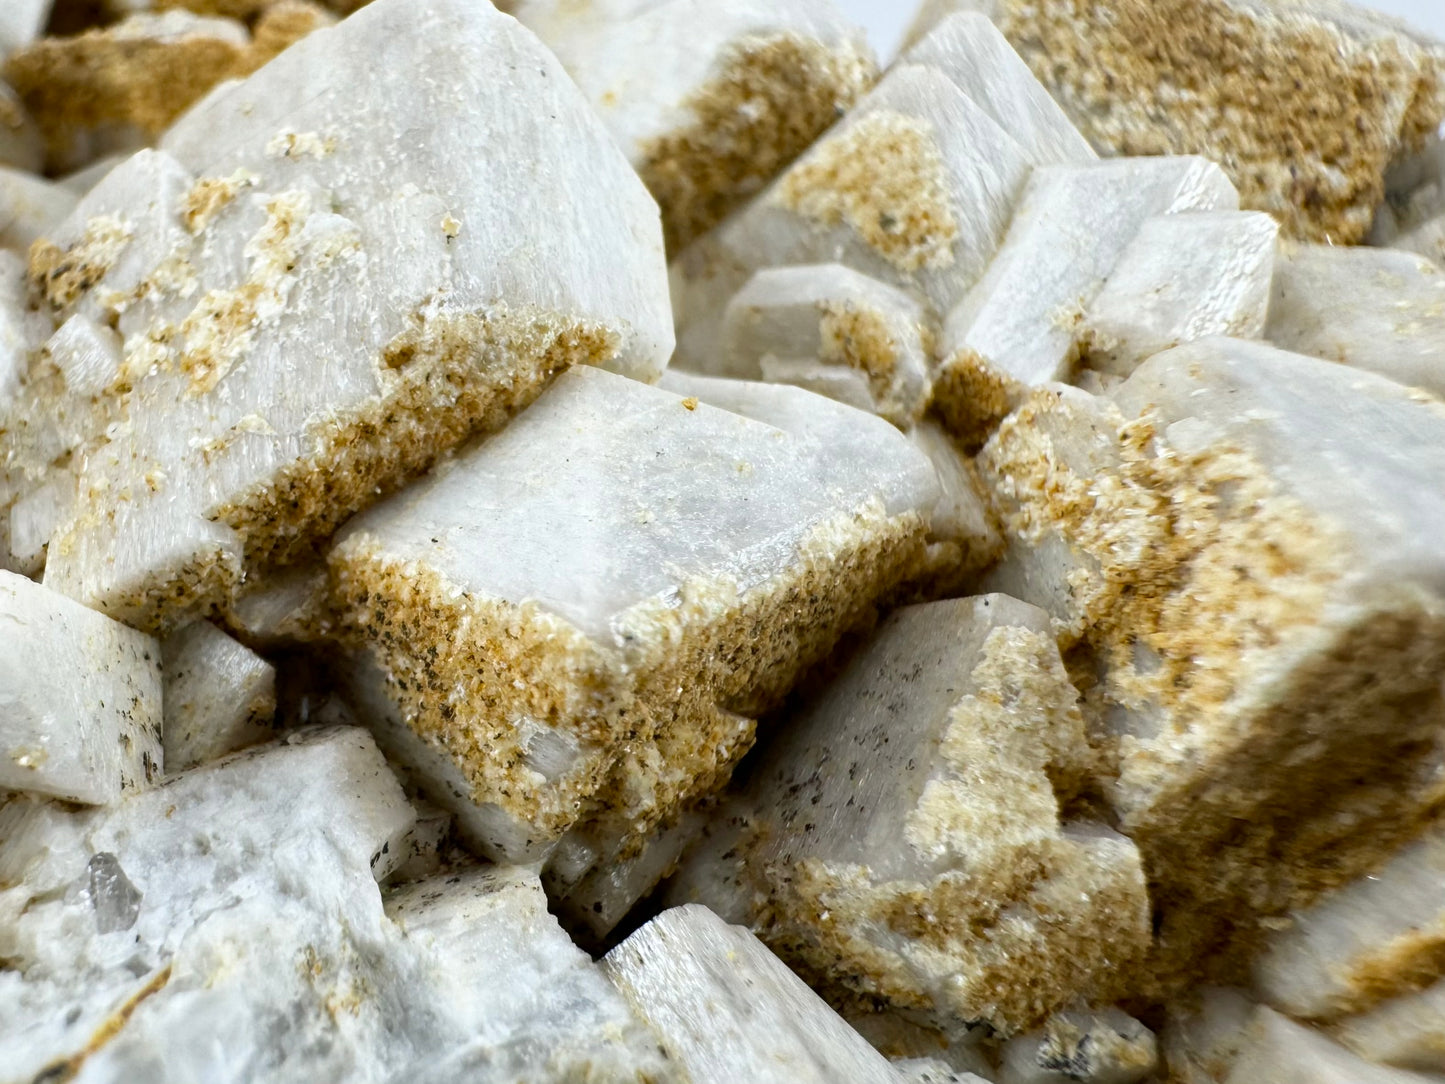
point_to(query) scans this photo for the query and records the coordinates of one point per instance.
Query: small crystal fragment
(115, 899)
(830, 316)
(1110, 1047)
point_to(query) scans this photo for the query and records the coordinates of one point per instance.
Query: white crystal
(565, 593)
(219, 696)
(30, 206)
(829, 316)
(251, 904)
(227, 925)
(1184, 277)
(1109, 1047)
(21, 22)
(1277, 1050)
(920, 781)
(727, 1010)
(970, 51)
(81, 698)
(1351, 948)
(527, 1000)
(961, 514)
(285, 609)
(324, 176)
(913, 188)
(1407, 1031)
(1373, 309)
(1019, 326)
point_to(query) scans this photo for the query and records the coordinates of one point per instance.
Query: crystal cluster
(620, 541)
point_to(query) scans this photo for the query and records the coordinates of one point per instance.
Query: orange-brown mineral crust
(1303, 114)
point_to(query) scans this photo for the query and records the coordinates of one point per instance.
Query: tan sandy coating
(1197, 574)
(971, 397)
(884, 177)
(1404, 965)
(859, 338)
(1303, 120)
(59, 277)
(770, 99)
(658, 720)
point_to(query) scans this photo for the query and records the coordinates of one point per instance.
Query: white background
(886, 19)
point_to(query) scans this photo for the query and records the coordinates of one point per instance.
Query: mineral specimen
(1015, 601)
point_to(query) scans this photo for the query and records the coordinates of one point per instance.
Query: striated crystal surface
(80, 698)
(251, 411)
(726, 1009)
